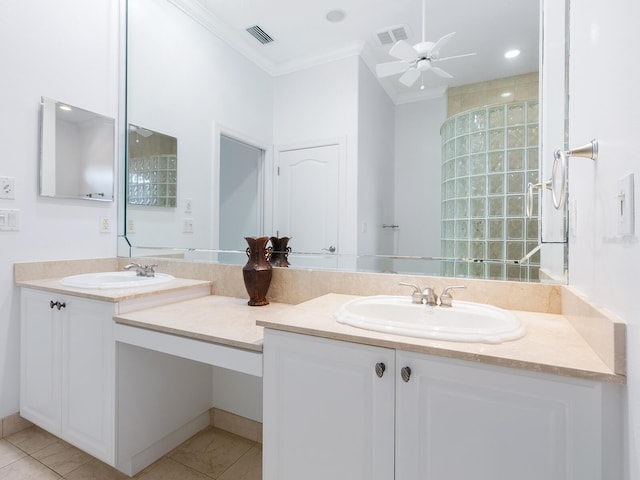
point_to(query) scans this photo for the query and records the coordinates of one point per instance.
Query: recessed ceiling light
(506, 94)
(512, 53)
(335, 16)
(66, 108)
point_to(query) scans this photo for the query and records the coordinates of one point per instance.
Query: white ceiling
(303, 37)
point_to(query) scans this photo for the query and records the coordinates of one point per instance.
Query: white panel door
(40, 359)
(327, 413)
(459, 420)
(307, 205)
(88, 385)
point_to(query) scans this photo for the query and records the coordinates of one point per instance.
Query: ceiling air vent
(260, 35)
(390, 35)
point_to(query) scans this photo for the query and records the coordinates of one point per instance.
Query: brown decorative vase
(280, 251)
(257, 271)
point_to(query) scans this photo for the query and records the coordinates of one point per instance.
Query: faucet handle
(149, 270)
(416, 296)
(446, 298)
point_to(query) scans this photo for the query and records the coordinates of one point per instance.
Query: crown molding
(200, 14)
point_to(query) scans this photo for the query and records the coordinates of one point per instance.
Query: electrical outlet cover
(105, 224)
(8, 187)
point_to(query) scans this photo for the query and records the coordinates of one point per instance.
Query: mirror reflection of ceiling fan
(414, 60)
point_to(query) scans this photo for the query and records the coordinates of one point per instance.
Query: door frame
(265, 178)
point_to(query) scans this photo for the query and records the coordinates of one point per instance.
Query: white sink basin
(106, 280)
(463, 322)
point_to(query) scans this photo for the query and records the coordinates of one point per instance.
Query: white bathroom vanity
(126, 375)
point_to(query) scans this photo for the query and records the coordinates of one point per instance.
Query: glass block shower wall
(488, 157)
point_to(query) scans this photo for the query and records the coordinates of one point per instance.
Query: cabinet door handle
(380, 368)
(405, 373)
(57, 304)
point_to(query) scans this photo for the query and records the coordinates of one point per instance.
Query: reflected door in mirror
(307, 207)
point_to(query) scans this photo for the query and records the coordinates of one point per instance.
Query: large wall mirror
(300, 120)
(76, 152)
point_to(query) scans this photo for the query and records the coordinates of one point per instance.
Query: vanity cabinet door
(88, 366)
(327, 413)
(67, 369)
(466, 420)
(40, 374)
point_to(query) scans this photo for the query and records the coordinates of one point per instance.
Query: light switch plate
(9, 220)
(625, 206)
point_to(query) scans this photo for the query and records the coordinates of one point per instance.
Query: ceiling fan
(416, 59)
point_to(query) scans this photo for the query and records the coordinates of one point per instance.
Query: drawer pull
(57, 304)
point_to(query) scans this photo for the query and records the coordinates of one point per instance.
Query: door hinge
(278, 171)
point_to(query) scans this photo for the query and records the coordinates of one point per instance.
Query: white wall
(187, 83)
(46, 51)
(375, 165)
(418, 177)
(603, 105)
(317, 104)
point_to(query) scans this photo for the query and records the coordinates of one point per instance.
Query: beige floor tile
(27, 469)
(167, 469)
(96, 470)
(14, 423)
(61, 457)
(31, 439)
(9, 453)
(211, 451)
(249, 467)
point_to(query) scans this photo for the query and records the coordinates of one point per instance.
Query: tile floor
(211, 454)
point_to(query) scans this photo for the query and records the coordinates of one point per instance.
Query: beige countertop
(224, 320)
(551, 344)
(114, 295)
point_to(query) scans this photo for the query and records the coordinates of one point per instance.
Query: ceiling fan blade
(440, 43)
(409, 77)
(457, 56)
(391, 68)
(440, 72)
(403, 51)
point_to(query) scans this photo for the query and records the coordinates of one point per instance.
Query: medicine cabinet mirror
(76, 152)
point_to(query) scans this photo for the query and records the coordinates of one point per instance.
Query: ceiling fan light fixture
(512, 53)
(335, 16)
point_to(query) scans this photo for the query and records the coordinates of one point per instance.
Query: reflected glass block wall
(489, 155)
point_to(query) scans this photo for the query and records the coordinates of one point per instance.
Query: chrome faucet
(427, 296)
(142, 270)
